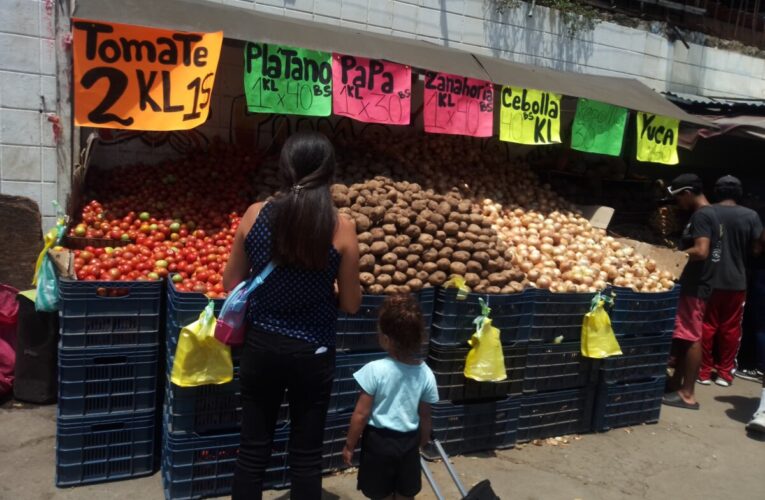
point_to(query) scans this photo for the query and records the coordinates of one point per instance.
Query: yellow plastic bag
(486, 361)
(458, 282)
(598, 339)
(200, 359)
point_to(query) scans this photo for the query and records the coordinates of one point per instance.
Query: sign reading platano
(280, 79)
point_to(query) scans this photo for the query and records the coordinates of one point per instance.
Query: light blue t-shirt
(397, 389)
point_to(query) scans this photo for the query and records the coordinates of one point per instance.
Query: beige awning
(247, 24)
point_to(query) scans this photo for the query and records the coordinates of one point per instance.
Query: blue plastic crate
(335, 435)
(637, 314)
(559, 315)
(200, 467)
(621, 405)
(473, 427)
(106, 381)
(642, 358)
(358, 332)
(185, 307)
(453, 318)
(559, 413)
(554, 367)
(88, 317)
(94, 450)
(345, 389)
(448, 365)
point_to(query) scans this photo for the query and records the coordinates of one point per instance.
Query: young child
(396, 393)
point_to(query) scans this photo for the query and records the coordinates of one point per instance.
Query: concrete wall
(474, 25)
(28, 92)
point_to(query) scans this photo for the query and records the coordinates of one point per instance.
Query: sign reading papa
(133, 77)
(371, 90)
(529, 116)
(279, 79)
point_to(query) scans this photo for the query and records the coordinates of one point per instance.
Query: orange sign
(133, 77)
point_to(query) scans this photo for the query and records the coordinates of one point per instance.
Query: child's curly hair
(401, 320)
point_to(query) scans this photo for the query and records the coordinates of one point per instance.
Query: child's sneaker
(757, 424)
(722, 382)
(703, 381)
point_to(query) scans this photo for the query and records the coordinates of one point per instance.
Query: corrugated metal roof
(716, 105)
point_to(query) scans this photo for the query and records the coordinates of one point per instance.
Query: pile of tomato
(180, 227)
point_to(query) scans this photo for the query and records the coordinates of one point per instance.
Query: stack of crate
(559, 386)
(476, 416)
(108, 362)
(631, 385)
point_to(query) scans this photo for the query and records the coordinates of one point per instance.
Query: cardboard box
(666, 259)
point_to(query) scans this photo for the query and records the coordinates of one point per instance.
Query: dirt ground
(688, 455)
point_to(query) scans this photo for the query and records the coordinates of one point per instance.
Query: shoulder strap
(260, 278)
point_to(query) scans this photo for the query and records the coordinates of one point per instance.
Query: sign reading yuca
(529, 116)
(134, 77)
(657, 138)
(279, 79)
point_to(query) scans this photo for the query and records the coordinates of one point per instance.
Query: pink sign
(458, 105)
(371, 90)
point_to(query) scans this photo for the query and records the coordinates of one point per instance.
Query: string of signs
(140, 78)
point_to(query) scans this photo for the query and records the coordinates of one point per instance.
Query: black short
(389, 463)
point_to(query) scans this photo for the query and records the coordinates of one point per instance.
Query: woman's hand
(348, 456)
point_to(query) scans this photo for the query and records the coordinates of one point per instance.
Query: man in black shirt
(701, 240)
(742, 233)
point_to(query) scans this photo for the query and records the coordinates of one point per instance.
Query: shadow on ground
(742, 408)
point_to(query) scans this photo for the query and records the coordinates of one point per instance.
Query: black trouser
(270, 365)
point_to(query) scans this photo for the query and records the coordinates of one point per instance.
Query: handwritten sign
(458, 105)
(133, 77)
(657, 139)
(280, 79)
(371, 90)
(528, 116)
(598, 128)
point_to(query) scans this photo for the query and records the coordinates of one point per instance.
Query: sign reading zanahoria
(458, 105)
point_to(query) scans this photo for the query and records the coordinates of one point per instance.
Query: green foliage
(576, 17)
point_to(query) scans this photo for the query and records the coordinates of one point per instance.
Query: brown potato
(383, 280)
(378, 248)
(367, 279)
(377, 233)
(363, 249)
(461, 256)
(416, 248)
(366, 238)
(389, 258)
(443, 265)
(415, 284)
(399, 278)
(401, 265)
(403, 240)
(472, 279)
(412, 259)
(423, 275)
(390, 240)
(430, 267)
(474, 266)
(425, 239)
(437, 278)
(498, 279)
(392, 290)
(493, 289)
(413, 231)
(388, 269)
(482, 257)
(438, 219)
(451, 228)
(430, 228)
(367, 262)
(445, 253)
(376, 289)
(411, 272)
(458, 268)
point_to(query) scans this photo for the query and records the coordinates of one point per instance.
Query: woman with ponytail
(291, 336)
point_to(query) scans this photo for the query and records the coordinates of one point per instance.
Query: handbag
(230, 327)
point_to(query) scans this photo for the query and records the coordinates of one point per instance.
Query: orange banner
(139, 78)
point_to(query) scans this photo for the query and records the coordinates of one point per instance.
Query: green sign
(287, 80)
(598, 128)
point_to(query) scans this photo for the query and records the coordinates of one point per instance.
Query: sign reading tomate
(134, 77)
(529, 116)
(458, 105)
(371, 90)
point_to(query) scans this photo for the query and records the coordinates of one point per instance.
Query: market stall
(432, 165)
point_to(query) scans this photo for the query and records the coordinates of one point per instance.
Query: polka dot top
(294, 302)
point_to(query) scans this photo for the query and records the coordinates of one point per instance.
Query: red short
(689, 321)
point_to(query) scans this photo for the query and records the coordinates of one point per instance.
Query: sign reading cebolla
(134, 77)
(458, 105)
(371, 90)
(657, 138)
(529, 116)
(279, 79)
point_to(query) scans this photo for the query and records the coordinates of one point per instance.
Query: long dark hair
(304, 215)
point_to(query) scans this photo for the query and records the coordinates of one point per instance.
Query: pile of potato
(430, 207)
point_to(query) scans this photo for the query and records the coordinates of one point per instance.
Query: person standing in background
(701, 241)
(742, 234)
